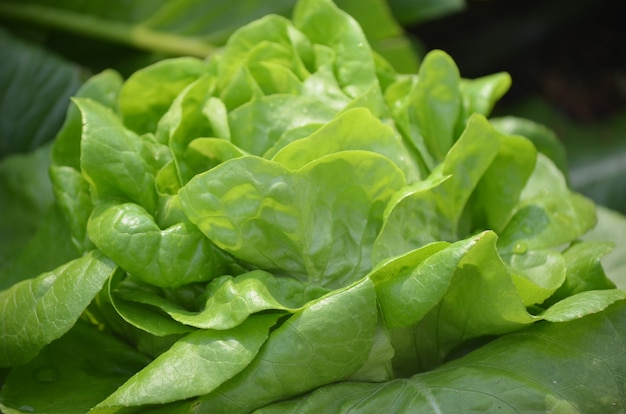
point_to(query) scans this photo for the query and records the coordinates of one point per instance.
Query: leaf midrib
(135, 35)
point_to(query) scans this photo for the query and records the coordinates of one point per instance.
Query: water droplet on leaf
(520, 248)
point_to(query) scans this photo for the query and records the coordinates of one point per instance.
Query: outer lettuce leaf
(414, 12)
(546, 368)
(72, 374)
(33, 234)
(150, 334)
(197, 363)
(316, 223)
(37, 311)
(325, 342)
(49, 247)
(34, 87)
(193, 28)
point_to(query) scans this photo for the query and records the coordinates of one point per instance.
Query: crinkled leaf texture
(293, 219)
(230, 300)
(316, 223)
(573, 367)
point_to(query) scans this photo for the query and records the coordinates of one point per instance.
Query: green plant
(50, 48)
(292, 226)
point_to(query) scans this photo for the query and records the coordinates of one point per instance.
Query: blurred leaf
(26, 196)
(611, 227)
(49, 247)
(418, 11)
(195, 27)
(383, 32)
(72, 374)
(34, 89)
(596, 151)
(544, 139)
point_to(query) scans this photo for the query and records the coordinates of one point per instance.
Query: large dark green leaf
(35, 86)
(26, 196)
(420, 11)
(192, 27)
(71, 375)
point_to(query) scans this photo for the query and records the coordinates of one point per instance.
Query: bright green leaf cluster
(294, 214)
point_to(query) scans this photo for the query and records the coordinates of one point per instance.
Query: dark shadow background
(567, 59)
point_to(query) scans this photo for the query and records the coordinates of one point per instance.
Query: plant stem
(135, 35)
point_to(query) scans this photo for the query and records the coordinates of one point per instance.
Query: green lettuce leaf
(174, 256)
(546, 368)
(294, 221)
(37, 311)
(198, 363)
(71, 190)
(294, 359)
(230, 300)
(291, 219)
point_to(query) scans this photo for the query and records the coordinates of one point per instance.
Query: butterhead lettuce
(292, 226)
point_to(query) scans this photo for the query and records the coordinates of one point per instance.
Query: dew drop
(27, 409)
(527, 229)
(45, 375)
(520, 248)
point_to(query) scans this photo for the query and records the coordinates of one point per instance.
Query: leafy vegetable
(292, 226)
